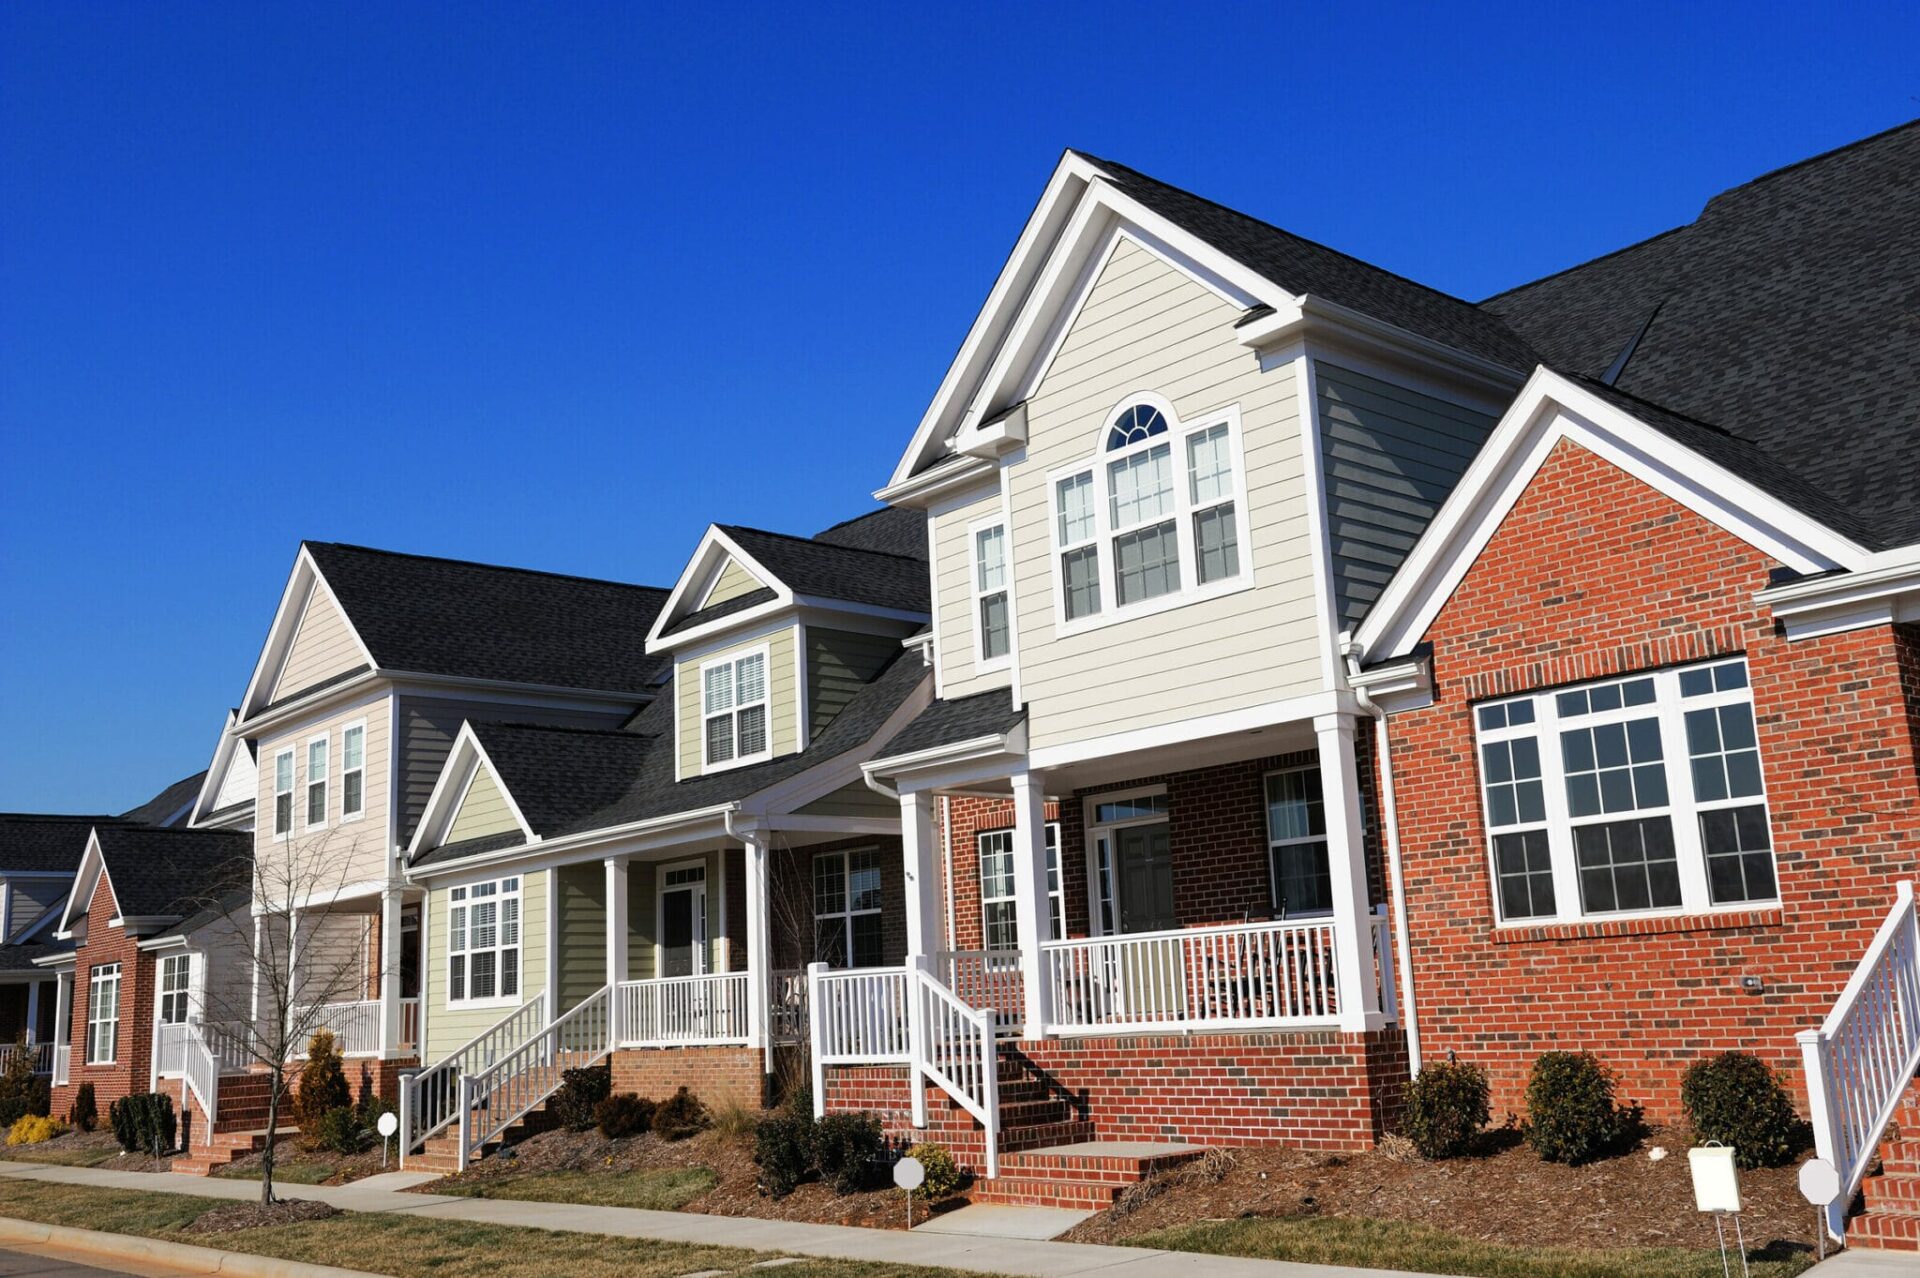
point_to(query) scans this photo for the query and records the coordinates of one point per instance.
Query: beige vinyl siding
(323, 646)
(483, 811)
(953, 590)
(783, 699)
(1147, 326)
(856, 800)
(355, 851)
(449, 1028)
(734, 581)
(839, 664)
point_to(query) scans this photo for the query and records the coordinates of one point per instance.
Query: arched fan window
(1135, 423)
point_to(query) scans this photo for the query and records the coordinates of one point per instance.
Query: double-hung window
(316, 782)
(734, 708)
(992, 625)
(353, 771)
(176, 978)
(999, 928)
(846, 909)
(483, 941)
(282, 794)
(1297, 843)
(103, 1013)
(1156, 515)
(1639, 794)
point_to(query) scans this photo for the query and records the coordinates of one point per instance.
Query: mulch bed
(253, 1215)
(1507, 1195)
(98, 1139)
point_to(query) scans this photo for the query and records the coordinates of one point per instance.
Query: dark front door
(680, 911)
(1146, 878)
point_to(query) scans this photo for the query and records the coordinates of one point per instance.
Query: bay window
(734, 709)
(483, 941)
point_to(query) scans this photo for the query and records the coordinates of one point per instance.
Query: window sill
(1593, 929)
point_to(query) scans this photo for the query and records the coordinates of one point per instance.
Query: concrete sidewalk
(835, 1242)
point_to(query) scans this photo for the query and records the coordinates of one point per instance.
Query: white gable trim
(225, 751)
(697, 578)
(93, 865)
(294, 600)
(463, 764)
(1551, 408)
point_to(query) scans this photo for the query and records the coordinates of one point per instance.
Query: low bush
(679, 1116)
(943, 1174)
(783, 1148)
(1446, 1108)
(143, 1123)
(22, 1092)
(623, 1115)
(1571, 1117)
(1736, 1099)
(31, 1129)
(323, 1086)
(849, 1150)
(84, 1113)
(575, 1105)
(339, 1130)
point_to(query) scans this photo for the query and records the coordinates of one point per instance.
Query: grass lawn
(283, 1173)
(86, 1157)
(1390, 1244)
(659, 1190)
(407, 1246)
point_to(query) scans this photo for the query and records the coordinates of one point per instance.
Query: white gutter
(575, 842)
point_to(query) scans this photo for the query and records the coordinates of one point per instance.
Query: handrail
(427, 1099)
(200, 1074)
(494, 1098)
(954, 1046)
(708, 1008)
(1859, 1062)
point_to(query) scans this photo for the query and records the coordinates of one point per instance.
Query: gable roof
(171, 873)
(172, 805)
(50, 844)
(1787, 315)
(828, 570)
(895, 530)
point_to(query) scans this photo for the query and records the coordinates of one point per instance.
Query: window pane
(990, 558)
(1216, 544)
(830, 941)
(283, 772)
(1739, 855)
(480, 974)
(829, 884)
(353, 748)
(1080, 581)
(1142, 805)
(1627, 865)
(1209, 465)
(510, 921)
(1511, 774)
(1135, 424)
(457, 976)
(509, 973)
(317, 803)
(1302, 878)
(753, 730)
(317, 761)
(1295, 807)
(867, 947)
(282, 813)
(993, 626)
(750, 679)
(999, 930)
(719, 688)
(1614, 767)
(1525, 867)
(1140, 487)
(720, 739)
(996, 865)
(1146, 563)
(863, 881)
(353, 792)
(481, 931)
(1073, 503)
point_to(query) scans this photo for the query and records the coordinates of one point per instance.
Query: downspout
(1396, 878)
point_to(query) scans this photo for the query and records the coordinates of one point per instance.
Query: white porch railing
(1859, 1062)
(491, 1100)
(787, 1015)
(989, 979)
(859, 1017)
(677, 1010)
(207, 1053)
(430, 1099)
(355, 1026)
(955, 1047)
(42, 1054)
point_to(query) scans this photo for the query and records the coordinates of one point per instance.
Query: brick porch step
(1891, 1221)
(1087, 1175)
(225, 1148)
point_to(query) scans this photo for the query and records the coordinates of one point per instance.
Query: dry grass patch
(667, 1190)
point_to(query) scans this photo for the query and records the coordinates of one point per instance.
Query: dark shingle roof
(573, 780)
(171, 804)
(984, 714)
(1787, 315)
(1302, 266)
(897, 530)
(20, 958)
(829, 571)
(52, 844)
(173, 873)
(713, 612)
(450, 617)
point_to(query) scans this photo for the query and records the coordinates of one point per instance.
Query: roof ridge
(478, 563)
(63, 816)
(825, 545)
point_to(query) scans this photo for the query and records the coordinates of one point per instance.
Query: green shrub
(84, 1113)
(783, 1148)
(143, 1123)
(849, 1150)
(943, 1174)
(679, 1116)
(1735, 1098)
(581, 1091)
(323, 1087)
(1446, 1108)
(339, 1130)
(623, 1115)
(23, 1093)
(1571, 1117)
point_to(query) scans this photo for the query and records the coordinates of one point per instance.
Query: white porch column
(759, 945)
(390, 944)
(1031, 915)
(617, 923)
(922, 873)
(1347, 864)
(62, 1026)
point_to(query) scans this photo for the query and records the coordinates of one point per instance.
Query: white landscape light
(389, 1124)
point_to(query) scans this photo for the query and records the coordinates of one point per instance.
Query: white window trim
(1682, 809)
(1273, 844)
(98, 975)
(361, 812)
(1056, 897)
(1190, 592)
(161, 993)
(292, 792)
(305, 789)
(1096, 829)
(703, 946)
(765, 653)
(519, 893)
(981, 663)
(847, 913)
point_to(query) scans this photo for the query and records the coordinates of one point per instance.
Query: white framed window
(483, 942)
(1153, 520)
(103, 1013)
(733, 710)
(1302, 881)
(992, 620)
(999, 928)
(1635, 795)
(847, 926)
(316, 805)
(282, 794)
(176, 985)
(353, 771)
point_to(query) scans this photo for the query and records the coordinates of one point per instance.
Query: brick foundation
(717, 1075)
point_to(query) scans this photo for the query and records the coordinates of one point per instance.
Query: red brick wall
(1594, 574)
(131, 1071)
(790, 893)
(717, 1075)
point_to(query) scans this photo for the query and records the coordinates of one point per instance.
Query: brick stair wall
(1891, 1220)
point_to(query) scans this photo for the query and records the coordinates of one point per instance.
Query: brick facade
(1594, 574)
(131, 1072)
(790, 900)
(717, 1075)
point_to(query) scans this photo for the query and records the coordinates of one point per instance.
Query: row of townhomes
(1266, 674)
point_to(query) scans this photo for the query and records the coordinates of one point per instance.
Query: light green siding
(734, 582)
(783, 697)
(482, 812)
(449, 1028)
(582, 922)
(839, 664)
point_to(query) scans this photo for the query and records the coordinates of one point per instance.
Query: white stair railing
(1859, 1062)
(855, 1017)
(955, 1047)
(493, 1099)
(200, 1075)
(429, 1100)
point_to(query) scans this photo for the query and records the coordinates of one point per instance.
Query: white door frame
(702, 957)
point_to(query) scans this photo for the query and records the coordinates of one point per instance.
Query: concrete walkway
(835, 1242)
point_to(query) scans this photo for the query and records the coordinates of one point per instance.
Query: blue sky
(558, 286)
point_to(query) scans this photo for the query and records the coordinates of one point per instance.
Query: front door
(683, 921)
(1146, 878)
